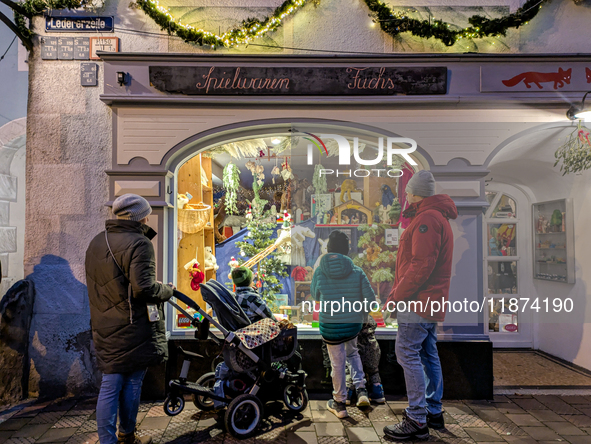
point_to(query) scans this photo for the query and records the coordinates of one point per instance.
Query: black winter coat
(124, 338)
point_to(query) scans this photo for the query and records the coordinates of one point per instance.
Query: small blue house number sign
(79, 24)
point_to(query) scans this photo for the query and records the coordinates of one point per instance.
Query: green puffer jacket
(338, 279)
(124, 338)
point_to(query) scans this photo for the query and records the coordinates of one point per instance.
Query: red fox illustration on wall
(559, 78)
(588, 74)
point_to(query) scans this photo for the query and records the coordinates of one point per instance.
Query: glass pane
(501, 319)
(506, 208)
(502, 277)
(490, 196)
(502, 239)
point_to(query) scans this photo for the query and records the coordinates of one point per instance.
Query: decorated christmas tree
(261, 235)
(377, 259)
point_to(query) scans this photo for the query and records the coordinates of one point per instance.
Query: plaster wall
(69, 138)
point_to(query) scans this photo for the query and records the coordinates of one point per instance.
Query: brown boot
(133, 438)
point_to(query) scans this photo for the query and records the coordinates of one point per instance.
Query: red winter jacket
(424, 260)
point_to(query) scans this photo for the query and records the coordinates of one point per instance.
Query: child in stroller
(253, 353)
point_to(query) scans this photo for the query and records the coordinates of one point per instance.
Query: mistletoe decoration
(575, 154)
(231, 179)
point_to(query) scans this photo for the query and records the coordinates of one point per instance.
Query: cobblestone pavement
(508, 419)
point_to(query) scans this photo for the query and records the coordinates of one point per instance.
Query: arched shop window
(503, 277)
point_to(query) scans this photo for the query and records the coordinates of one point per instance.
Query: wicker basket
(193, 218)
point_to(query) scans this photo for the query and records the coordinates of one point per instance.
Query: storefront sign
(88, 74)
(536, 78)
(328, 81)
(81, 48)
(79, 24)
(106, 44)
(48, 48)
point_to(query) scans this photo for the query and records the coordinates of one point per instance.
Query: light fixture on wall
(276, 141)
(579, 111)
(121, 78)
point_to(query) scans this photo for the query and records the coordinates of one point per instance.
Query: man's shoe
(133, 438)
(407, 429)
(338, 408)
(350, 395)
(435, 421)
(376, 394)
(362, 398)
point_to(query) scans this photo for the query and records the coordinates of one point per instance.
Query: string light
(248, 32)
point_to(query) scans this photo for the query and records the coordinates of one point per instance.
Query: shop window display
(265, 208)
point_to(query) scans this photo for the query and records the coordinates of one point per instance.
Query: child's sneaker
(338, 408)
(376, 394)
(407, 429)
(362, 398)
(350, 395)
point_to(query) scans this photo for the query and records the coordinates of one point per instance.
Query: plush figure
(197, 277)
(233, 263)
(299, 274)
(210, 260)
(323, 250)
(218, 219)
(347, 186)
(182, 200)
(384, 214)
(387, 195)
(298, 236)
(372, 253)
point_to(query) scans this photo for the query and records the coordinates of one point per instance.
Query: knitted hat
(131, 207)
(421, 184)
(242, 276)
(338, 242)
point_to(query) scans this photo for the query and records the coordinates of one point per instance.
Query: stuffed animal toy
(323, 250)
(182, 200)
(347, 186)
(309, 273)
(218, 219)
(298, 236)
(233, 262)
(299, 274)
(372, 253)
(197, 277)
(210, 260)
(387, 195)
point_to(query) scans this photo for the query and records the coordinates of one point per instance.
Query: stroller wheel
(173, 405)
(243, 416)
(203, 402)
(295, 399)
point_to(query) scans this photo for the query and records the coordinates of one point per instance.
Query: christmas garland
(394, 23)
(251, 28)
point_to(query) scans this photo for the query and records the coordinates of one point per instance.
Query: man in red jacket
(423, 273)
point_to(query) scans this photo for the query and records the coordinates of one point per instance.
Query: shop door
(506, 267)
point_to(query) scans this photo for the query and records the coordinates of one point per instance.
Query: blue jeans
(340, 355)
(118, 392)
(416, 352)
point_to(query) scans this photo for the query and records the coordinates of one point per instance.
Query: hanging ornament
(233, 263)
(197, 277)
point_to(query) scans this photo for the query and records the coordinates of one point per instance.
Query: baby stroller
(254, 353)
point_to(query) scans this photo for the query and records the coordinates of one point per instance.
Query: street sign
(49, 48)
(79, 24)
(81, 48)
(107, 44)
(88, 74)
(65, 48)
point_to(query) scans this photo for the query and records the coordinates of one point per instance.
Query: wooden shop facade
(215, 142)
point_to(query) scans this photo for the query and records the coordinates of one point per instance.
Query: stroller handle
(195, 306)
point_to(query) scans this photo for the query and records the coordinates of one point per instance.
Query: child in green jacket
(345, 295)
